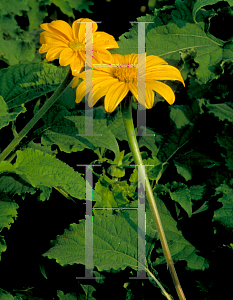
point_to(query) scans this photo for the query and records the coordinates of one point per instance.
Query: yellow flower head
(60, 40)
(115, 82)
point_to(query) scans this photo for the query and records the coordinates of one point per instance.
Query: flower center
(76, 46)
(126, 74)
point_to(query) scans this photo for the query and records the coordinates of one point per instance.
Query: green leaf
(13, 184)
(22, 83)
(8, 212)
(180, 248)
(67, 6)
(221, 110)
(200, 3)
(68, 296)
(88, 290)
(167, 39)
(116, 125)
(225, 213)
(42, 169)
(106, 140)
(14, 6)
(107, 198)
(2, 249)
(225, 142)
(150, 141)
(178, 117)
(5, 166)
(16, 51)
(184, 172)
(180, 193)
(196, 192)
(114, 243)
(36, 14)
(5, 116)
(68, 132)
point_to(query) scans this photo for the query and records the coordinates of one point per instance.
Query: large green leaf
(42, 169)
(22, 83)
(114, 244)
(171, 34)
(115, 241)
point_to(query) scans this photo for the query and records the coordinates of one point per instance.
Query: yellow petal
(79, 28)
(62, 28)
(66, 57)
(82, 55)
(80, 92)
(164, 72)
(75, 81)
(48, 37)
(99, 90)
(118, 59)
(133, 60)
(59, 28)
(149, 97)
(153, 60)
(105, 40)
(133, 89)
(164, 90)
(76, 66)
(54, 53)
(101, 54)
(46, 47)
(145, 98)
(115, 95)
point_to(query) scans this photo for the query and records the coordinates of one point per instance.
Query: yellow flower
(60, 40)
(115, 82)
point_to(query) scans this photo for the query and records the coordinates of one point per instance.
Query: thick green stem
(37, 116)
(126, 108)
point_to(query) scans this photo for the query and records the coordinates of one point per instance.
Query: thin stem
(159, 284)
(37, 116)
(126, 109)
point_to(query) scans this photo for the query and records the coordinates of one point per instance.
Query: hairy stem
(126, 109)
(37, 116)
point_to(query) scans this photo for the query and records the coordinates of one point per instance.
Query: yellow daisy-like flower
(115, 82)
(60, 40)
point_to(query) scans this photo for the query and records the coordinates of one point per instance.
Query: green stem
(37, 116)
(159, 284)
(126, 109)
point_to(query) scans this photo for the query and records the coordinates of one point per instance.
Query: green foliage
(187, 153)
(25, 82)
(224, 214)
(67, 6)
(114, 243)
(42, 169)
